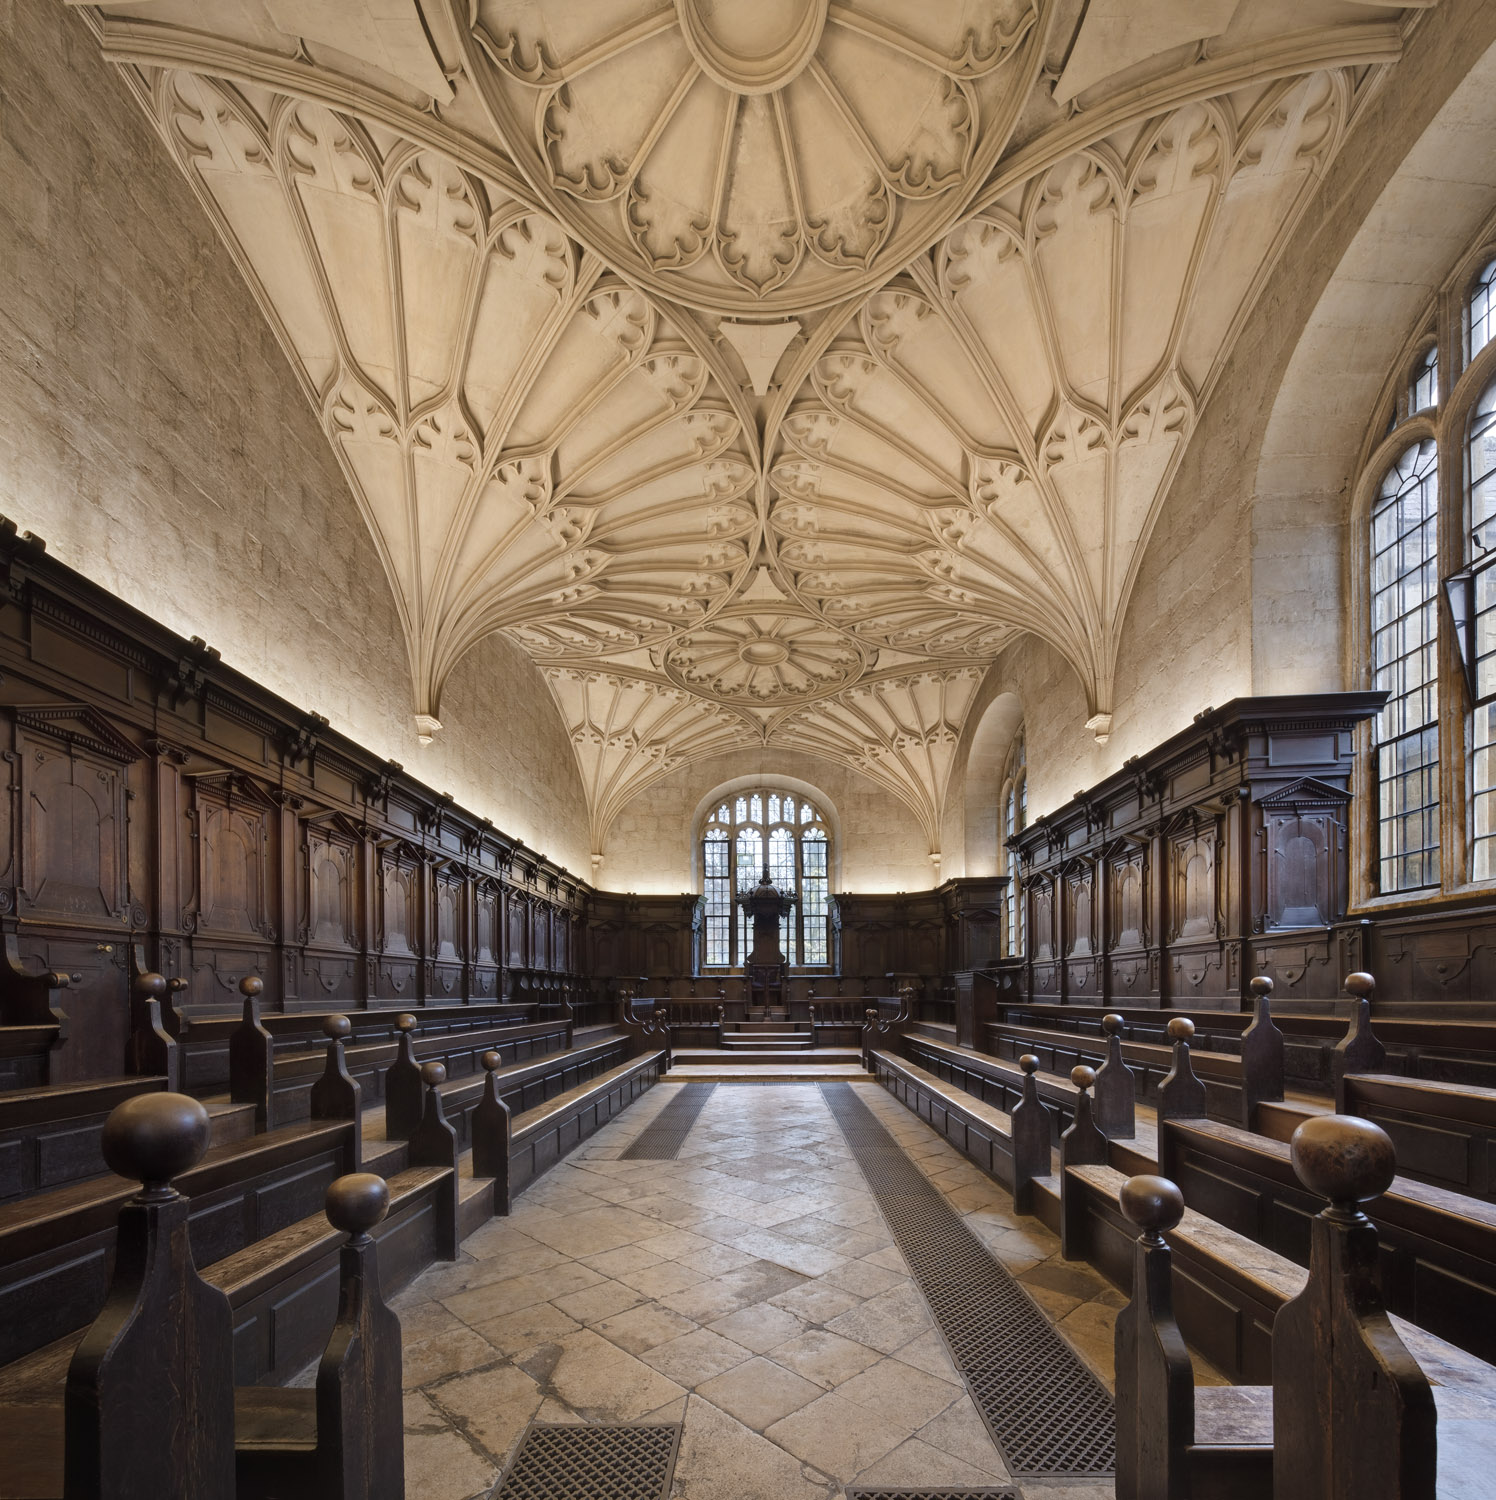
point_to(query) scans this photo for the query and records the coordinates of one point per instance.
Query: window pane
(1424, 390)
(1483, 310)
(736, 851)
(1404, 650)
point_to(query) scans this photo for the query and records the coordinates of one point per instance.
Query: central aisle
(749, 1288)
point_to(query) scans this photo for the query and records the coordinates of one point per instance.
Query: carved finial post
(869, 1035)
(1155, 1392)
(1261, 1055)
(492, 1134)
(336, 1094)
(434, 1143)
(1353, 1414)
(1082, 1145)
(360, 1441)
(1031, 1137)
(252, 1057)
(1116, 1088)
(1358, 1051)
(150, 1390)
(152, 1048)
(1181, 1095)
(402, 1083)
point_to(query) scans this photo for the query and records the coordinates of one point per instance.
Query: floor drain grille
(1002, 1494)
(572, 1462)
(1047, 1413)
(663, 1137)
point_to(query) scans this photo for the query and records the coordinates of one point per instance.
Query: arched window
(1404, 662)
(1015, 816)
(1429, 488)
(787, 834)
(1480, 485)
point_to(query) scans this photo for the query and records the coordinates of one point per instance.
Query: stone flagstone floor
(749, 1288)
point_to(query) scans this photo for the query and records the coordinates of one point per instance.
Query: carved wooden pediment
(78, 724)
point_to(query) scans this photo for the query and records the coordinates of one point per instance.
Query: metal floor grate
(1005, 1493)
(573, 1462)
(1047, 1413)
(663, 1137)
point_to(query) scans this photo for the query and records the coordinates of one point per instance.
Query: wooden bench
(56, 1248)
(144, 1402)
(205, 1039)
(1445, 1133)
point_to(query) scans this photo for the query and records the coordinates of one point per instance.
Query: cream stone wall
(650, 847)
(152, 432)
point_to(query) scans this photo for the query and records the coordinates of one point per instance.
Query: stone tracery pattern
(522, 259)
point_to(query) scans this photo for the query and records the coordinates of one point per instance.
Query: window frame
(796, 928)
(1462, 380)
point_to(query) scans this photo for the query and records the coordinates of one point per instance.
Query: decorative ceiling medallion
(783, 153)
(764, 659)
(752, 49)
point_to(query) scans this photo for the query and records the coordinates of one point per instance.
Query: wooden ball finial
(251, 985)
(155, 1137)
(433, 1074)
(405, 1021)
(152, 986)
(1344, 1158)
(1181, 1029)
(1112, 1023)
(337, 1026)
(1083, 1077)
(1029, 1063)
(1154, 1204)
(1261, 985)
(492, 1061)
(1360, 985)
(357, 1202)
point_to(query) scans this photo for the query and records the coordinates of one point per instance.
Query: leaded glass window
(1423, 388)
(1404, 651)
(1015, 812)
(1483, 310)
(786, 834)
(1481, 500)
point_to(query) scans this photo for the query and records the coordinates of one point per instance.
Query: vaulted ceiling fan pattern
(762, 368)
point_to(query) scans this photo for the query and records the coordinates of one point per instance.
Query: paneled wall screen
(1432, 532)
(787, 835)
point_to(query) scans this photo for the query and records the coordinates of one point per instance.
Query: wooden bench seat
(1439, 1246)
(56, 1248)
(522, 1086)
(205, 1042)
(1445, 1133)
(458, 1050)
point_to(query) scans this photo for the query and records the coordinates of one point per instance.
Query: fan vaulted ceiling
(763, 367)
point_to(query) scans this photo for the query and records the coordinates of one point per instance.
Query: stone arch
(991, 742)
(1425, 211)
